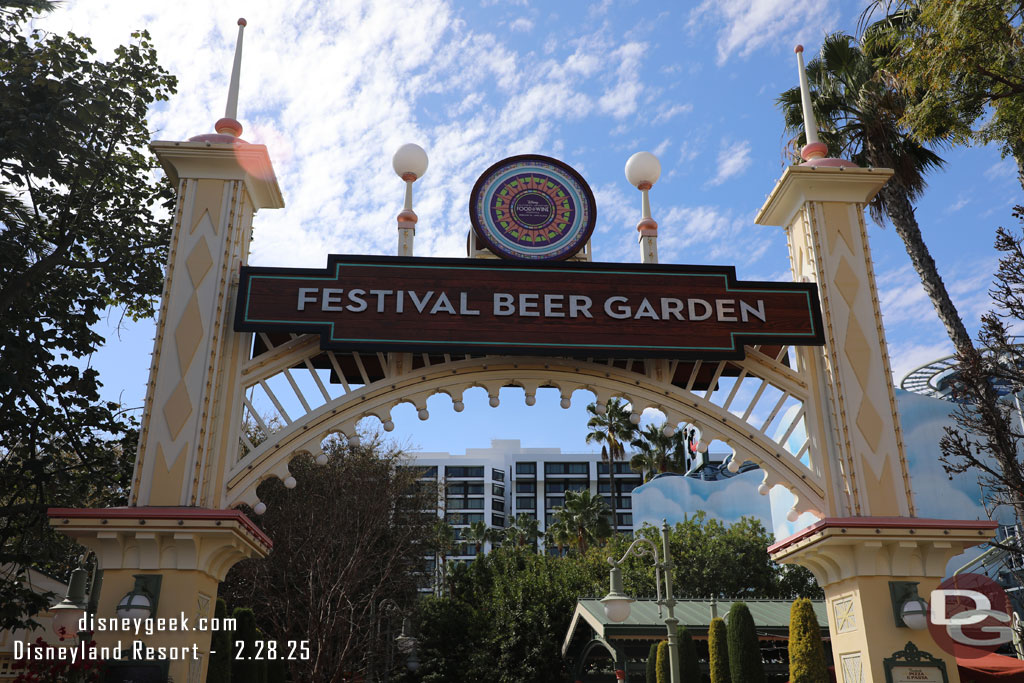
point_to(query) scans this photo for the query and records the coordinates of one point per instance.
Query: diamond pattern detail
(847, 282)
(199, 262)
(858, 352)
(846, 617)
(208, 200)
(853, 671)
(177, 409)
(838, 219)
(870, 424)
(189, 333)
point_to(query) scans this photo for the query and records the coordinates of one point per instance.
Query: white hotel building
(496, 484)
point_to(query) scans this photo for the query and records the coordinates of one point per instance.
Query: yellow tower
(175, 526)
(869, 541)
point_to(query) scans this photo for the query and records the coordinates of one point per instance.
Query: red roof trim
(163, 513)
(883, 523)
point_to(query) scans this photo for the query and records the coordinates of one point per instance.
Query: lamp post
(404, 643)
(617, 603)
(79, 602)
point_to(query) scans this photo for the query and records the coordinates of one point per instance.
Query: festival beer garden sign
(535, 212)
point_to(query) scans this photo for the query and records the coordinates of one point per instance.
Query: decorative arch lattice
(756, 405)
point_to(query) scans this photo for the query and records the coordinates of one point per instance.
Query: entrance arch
(730, 405)
(837, 400)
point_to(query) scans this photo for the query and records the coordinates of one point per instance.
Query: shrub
(744, 651)
(652, 664)
(806, 652)
(219, 669)
(664, 672)
(718, 651)
(689, 667)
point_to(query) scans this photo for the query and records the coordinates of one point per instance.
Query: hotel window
(498, 489)
(526, 502)
(526, 487)
(526, 468)
(497, 475)
(465, 472)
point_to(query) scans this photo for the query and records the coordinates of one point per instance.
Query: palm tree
(524, 530)
(558, 535)
(657, 453)
(859, 112)
(443, 540)
(478, 534)
(585, 518)
(612, 429)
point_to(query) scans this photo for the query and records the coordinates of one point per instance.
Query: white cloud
(334, 89)
(662, 147)
(748, 25)
(666, 113)
(1002, 170)
(620, 99)
(521, 24)
(733, 159)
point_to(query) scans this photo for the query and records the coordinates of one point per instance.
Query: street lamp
(617, 603)
(80, 600)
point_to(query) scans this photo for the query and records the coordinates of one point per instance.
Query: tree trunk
(901, 213)
(611, 488)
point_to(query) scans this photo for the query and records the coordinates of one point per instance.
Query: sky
(334, 88)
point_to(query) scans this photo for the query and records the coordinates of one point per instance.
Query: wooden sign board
(912, 665)
(386, 303)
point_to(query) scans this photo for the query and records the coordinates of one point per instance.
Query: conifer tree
(806, 651)
(664, 663)
(689, 667)
(220, 647)
(718, 651)
(744, 651)
(652, 664)
(245, 668)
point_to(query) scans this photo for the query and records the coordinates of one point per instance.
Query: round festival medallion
(532, 207)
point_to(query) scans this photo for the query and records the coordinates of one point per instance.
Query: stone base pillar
(854, 559)
(191, 549)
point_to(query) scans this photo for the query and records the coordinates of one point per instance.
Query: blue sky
(333, 88)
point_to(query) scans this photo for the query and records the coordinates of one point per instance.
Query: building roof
(771, 617)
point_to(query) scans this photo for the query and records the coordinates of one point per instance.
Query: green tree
(718, 651)
(652, 664)
(664, 670)
(610, 426)
(449, 637)
(585, 518)
(558, 535)
(81, 232)
(523, 531)
(689, 665)
(964, 63)
(219, 669)
(744, 649)
(806, 652)
(518, 605)
(349, 536)
(478, 534)
(655, 453)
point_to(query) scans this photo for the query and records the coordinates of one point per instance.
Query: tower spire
(228, 128)
(814, 149)
(815, 152)
(229, 125)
